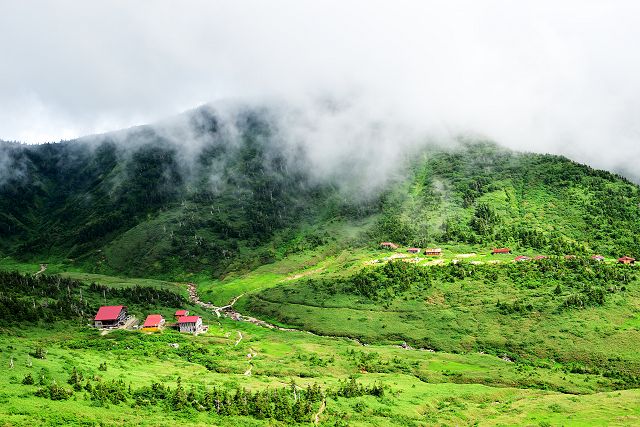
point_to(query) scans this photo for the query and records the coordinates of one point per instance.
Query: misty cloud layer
(547, 76)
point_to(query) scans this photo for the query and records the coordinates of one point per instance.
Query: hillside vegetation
(58, 371)
(575, 311)
(217, 196)
(344, 332)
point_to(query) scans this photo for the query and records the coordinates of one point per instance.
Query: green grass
(461, 386)
(424, 387)
(8, 264)
(462, 316)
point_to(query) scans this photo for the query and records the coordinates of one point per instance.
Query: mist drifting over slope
(545, 76)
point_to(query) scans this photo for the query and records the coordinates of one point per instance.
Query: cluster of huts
(623, 260)
(500, 251)
(116, 316)
(428, 252)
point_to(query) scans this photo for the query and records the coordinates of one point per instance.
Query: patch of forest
(573, 283)
(48, 298)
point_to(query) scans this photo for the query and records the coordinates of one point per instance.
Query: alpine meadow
(319, 214)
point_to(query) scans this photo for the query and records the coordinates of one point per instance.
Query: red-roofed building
(153, 322)
(522, 258)
(597, 258)
(190, 324)
(110, 316)
(413, 250)
(181, 313)
(626, 260)
(433, 252)
(498, 251)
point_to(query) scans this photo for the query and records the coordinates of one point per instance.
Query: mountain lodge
(433, 252)
(497, 251)
(627, 260)
(413, 250)
(110, 316)
(190, 324)
(153, 322)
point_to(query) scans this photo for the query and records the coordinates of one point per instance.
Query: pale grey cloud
(544, 76)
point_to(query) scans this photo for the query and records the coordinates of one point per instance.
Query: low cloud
(543, 76)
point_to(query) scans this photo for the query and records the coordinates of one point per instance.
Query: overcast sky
(559, 76)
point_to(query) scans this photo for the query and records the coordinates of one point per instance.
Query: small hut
(627, 260)
(181, 313)
(153, 322)
(433, 252)
(413, 250)
(499, 251)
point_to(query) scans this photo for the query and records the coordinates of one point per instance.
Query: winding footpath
(43, 268)
(248, 371)
(316, 417)
(231, 313)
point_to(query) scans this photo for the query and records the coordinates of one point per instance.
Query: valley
(454, 384)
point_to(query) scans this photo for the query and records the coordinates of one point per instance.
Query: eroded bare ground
(303, 274)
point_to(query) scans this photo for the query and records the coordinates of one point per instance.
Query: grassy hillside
(419, 387)
(575, 311)
(383, 337)
(481, 194)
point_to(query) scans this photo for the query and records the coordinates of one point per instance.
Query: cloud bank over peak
(544, 76)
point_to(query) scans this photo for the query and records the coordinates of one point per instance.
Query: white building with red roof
(190, 324)
(110, 316)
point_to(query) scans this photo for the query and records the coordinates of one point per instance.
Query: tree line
(49, 298)
(291, 404)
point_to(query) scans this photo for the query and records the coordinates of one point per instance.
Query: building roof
(522, 258)
(541, 257)
(433, 250)
(182, 312)
(152, 321)
(109, 312)
(501, 250)
(626, 258)
(393, 245)
(597, 257)
(188, 319)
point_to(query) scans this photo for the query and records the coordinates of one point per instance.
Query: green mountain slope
(229, 205)
(480, 194)
(144, 202)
